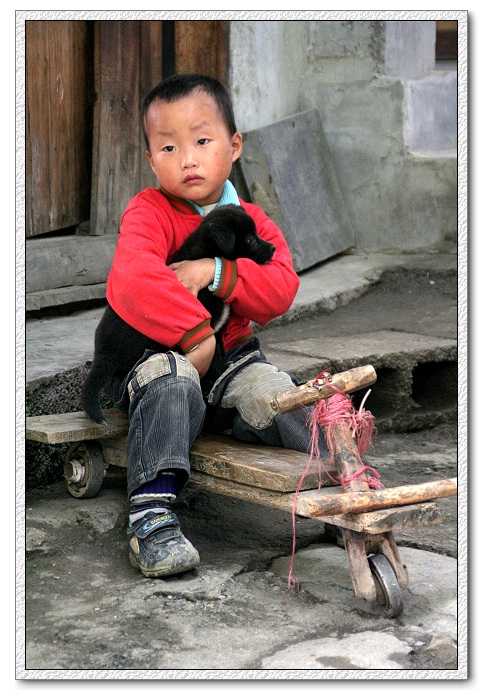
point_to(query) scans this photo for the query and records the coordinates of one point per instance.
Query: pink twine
(326, 414)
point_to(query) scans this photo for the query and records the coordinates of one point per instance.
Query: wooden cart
(271, 476)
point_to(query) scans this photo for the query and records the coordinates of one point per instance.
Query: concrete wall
(388, 112)
(268, 62)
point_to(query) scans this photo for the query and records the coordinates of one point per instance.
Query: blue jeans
(167, 409)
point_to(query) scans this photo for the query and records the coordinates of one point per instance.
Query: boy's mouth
(192, 180)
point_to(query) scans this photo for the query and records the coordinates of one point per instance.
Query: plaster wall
(409, 48)
(389, 118)
(268, 60)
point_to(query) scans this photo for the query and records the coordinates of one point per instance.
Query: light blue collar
(228, 196)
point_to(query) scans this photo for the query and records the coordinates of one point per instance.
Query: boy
(192, 143)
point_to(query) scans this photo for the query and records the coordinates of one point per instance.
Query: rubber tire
(90, 453)
(387, 585)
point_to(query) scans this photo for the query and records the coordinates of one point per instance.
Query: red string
(325, 415)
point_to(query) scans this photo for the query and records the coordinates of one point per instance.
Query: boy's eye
(168, 149)
(203, 142)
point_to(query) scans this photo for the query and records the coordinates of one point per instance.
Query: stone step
(417, 375)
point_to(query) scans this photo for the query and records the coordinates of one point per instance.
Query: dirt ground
(86, 608)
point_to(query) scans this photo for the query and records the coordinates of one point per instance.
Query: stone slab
(288, 171)
(59, 344)
(364, 348)
(430, 600)
(306, 358)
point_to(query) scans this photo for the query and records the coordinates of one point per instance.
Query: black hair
(182, 85)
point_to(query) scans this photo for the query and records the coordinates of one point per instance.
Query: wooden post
(346, 458)
(347, 461)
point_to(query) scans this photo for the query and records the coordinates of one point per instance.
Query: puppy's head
(236, 236)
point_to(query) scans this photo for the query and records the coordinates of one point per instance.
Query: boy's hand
(195, 274)
(202, 355)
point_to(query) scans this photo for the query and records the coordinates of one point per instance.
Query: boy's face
(191, 149)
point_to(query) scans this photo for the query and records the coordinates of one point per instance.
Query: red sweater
(146, 293)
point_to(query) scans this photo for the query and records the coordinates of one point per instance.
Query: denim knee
(252, 390)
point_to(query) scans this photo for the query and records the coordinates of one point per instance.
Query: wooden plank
(380, 523)
(116, 153)
(260, 466)
(72, 427)
(128, 59)
(66, 295)
(152, 71)
(114, 451)
(56, 263)
(265, 497)
(323, 504)
(263, 467)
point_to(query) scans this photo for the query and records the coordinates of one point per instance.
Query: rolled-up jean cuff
(166, 413)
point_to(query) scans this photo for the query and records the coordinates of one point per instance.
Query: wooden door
(132, 57)
(128, 62)
(447, 40)
(202, 47)
(58, 121)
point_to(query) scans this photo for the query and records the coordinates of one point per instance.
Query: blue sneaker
(157, 546)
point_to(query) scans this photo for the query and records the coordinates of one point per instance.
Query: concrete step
(417, 375)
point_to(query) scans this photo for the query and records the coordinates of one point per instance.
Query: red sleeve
(260, 292)
(141, 288)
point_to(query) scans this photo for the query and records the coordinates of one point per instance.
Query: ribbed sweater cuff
(228, 279)
(195, 336)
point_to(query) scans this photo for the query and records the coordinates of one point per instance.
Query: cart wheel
(388, 591)
(84, 469)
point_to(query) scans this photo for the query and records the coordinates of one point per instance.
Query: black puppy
(227, 231)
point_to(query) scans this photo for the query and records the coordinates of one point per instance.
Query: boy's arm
(144, 291)
(202, 355)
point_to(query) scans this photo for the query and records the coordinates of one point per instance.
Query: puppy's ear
(225, 240)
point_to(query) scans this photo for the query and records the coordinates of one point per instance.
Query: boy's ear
(237, 146)
(150, 158)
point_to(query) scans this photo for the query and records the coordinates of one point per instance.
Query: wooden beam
(388, 519)
(315, 390)
(58, 76)
(327, 504)
(59, 262)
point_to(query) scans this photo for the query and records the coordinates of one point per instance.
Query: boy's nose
(188, 159)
